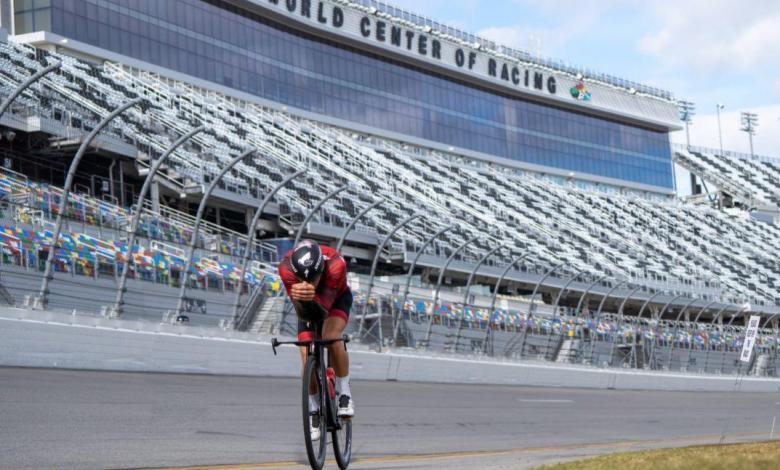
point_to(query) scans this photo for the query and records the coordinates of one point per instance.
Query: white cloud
(704, 131)
(714, 33)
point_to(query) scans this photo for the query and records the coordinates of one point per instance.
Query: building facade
(355, 66)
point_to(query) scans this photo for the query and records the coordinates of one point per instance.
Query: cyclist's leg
(305, 333)
(337, 320)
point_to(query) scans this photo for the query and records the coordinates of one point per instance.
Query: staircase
(5, 295)
(567, 350)
(268, 317)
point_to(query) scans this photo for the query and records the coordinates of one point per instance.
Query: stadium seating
(656, 242)
(754, 179)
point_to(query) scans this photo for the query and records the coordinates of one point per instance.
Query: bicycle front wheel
(315, 450)
(342, 443)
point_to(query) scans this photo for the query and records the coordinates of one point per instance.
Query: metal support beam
(130, 261)
(42, 300)
(374, 264)
(438, 284)
(598, 317)
(695, 322)
(196, 227)
(354, 221)
(411, 271)
(315, 209)
(251, 234)
(26, 84)
(532, 308)
(466, 290)
(495, 294)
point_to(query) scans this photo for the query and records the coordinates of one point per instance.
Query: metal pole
(121, 289)
(411, 271)
(374, 264)
(315, 209)
(25, 84)
(47, 276)
(354, 221)
(251, 235)
(718, 107)
(438, 284)
(495, 293)
(466, 291)
(196, 226)
(676, 329)
(533, 306)
(591, 335)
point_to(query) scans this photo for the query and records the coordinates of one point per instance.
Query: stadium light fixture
(749, 122)
(686, 110)
(718, 107)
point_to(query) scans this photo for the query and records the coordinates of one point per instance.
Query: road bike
(323, 377)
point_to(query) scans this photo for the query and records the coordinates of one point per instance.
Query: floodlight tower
(686, 111)
(718, 107)
(749, 123)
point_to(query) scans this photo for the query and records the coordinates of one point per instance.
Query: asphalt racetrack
(62, 419)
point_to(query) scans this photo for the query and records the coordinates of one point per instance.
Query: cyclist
(315, 278)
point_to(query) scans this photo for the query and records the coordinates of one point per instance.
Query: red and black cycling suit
(333, 296)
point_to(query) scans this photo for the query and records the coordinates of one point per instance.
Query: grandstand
(613, 269)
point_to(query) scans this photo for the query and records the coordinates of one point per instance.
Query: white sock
(342, 386)
(314, 403)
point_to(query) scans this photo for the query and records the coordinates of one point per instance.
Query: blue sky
(705, 51)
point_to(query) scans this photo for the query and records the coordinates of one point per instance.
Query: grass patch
(751, 456)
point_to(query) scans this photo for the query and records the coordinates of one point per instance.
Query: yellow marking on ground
(614, 445)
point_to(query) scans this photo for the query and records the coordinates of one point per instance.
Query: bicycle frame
(316, 347)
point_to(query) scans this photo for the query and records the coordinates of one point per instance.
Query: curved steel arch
(620, 324)
(196, 226)
(438, 284)
(315, 209)
(495, 293)
(655, 339)
(130, 261)
(64, 199)
(252, 234)
(531, 309)
(354, 221)
(411, 271)
(731, 320)
(374, 264)
(712, 322)
(557, 301)
(468, 286)
(676, 329)
(695, 321)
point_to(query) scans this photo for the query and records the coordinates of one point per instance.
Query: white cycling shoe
(314, 424)
(346, 407)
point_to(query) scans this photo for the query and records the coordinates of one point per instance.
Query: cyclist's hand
(302, 292)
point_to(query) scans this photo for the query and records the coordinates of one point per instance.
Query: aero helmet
(307, 261)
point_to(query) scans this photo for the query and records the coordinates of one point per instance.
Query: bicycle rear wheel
(315, 450)
(342, 443)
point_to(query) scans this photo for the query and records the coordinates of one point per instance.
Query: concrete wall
(50, 339)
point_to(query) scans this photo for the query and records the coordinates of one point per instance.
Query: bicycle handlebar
(322, 342)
